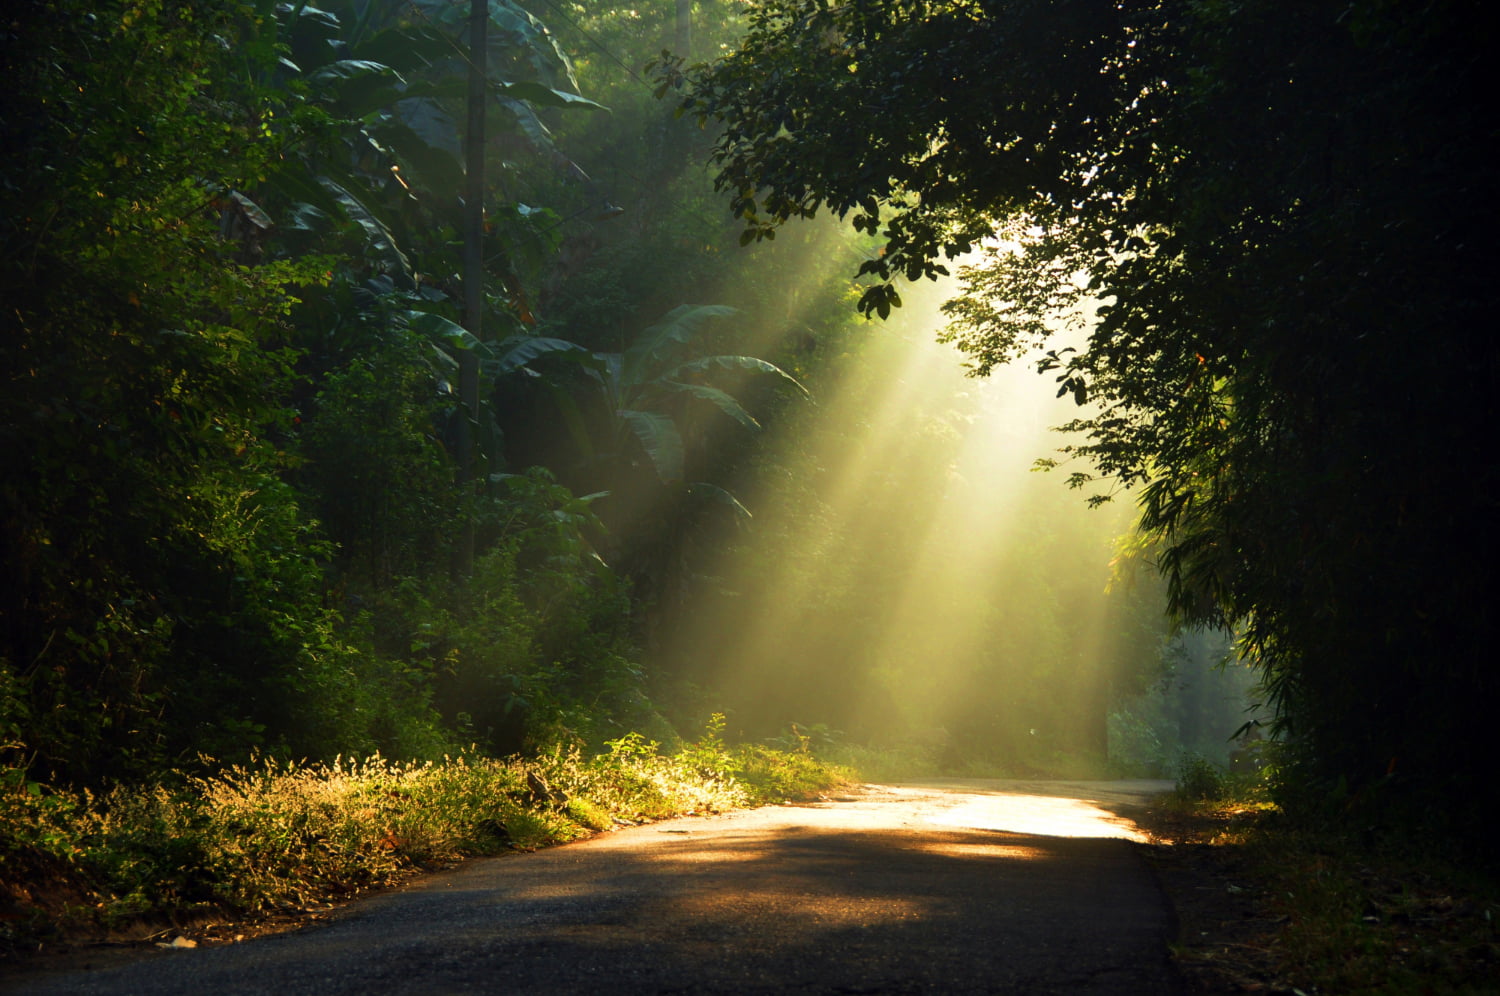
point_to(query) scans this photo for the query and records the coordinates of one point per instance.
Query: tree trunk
(468, 369)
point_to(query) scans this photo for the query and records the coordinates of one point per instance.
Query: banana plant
(654, 397)
(379, 85)
(652, 385)
(498, 359)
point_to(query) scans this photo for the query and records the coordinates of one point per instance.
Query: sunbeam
(908, 576)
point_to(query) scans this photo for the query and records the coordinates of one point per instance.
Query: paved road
(952, 887)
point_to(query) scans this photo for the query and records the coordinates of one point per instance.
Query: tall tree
(1279, 213)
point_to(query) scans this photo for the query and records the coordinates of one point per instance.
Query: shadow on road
(868, 896)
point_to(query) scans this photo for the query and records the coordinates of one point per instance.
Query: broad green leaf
(432, 124)
(376, 230)
(523, 119)
(406, 48)
(712, 492)
(442, 329)
(510, 355)
(680, 326)
(546, 96)
(515, 27)
(348, 69)
(721, 400)
(746, 364)
(424, 166)
(660, 439)
(304, 217)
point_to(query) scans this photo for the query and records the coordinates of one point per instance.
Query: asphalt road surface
(948, 887)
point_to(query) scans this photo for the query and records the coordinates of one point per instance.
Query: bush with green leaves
(1198, 778)
(381, 483)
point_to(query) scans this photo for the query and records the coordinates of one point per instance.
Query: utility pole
(468, 361)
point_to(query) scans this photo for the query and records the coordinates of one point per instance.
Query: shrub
(266, 835)
(1198, 778)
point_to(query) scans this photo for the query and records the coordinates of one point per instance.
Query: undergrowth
(250, 840)
(1338, 909)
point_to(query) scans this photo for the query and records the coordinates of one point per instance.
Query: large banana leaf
(704, 491)
(721, 400)
(430, 121)
(657, 343)
(335, 73)
(497, 358)
(410, 48)
(660, 439)
(381, 239)
(512, 30)
(744, 364)
(546, 96)
(512, 354)
(442, 330)
(434, 169)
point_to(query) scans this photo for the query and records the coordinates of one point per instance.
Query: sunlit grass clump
(272, 836)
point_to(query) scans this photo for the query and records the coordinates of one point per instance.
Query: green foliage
(383, 488)
(772, 776)
(906, 762)
(1202, 704)
(229, 496)
(145, 366)
(267, 835)
(708, 754)
(1198, 779)
(1264, 292)
(1139, 745)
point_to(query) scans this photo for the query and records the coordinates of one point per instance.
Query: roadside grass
(276, 838)
(1266, 905)
(915, 761)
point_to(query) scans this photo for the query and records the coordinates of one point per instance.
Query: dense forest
(1272, 216)
(401, 376)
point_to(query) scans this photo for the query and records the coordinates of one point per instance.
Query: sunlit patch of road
(1050, 809)
(1012, 852)
(1039, 815)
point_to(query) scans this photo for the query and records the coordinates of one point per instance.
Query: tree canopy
(240, 468)
(1274, 220)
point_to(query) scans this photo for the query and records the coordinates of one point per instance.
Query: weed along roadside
(250, 849)
(888, 889)
(1265, 903)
